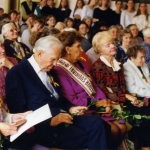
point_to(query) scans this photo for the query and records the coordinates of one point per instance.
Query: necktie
(46, 81)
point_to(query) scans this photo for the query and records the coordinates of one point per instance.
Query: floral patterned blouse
(112, 83)
(3, 72)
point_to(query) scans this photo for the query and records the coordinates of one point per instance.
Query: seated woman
(13, 48)
(136, 72)
(138, 82)
(6, 63)
(135, 34)
(114, 31)
(72, 81)
(108, 74)
(125, 41)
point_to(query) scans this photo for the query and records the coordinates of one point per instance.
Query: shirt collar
(116, 63)
(34, 64)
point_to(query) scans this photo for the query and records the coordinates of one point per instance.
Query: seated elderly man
(146, 45)
(28, 87)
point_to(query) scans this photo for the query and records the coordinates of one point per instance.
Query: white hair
(5, 28)
(47, 44)
(146, 32)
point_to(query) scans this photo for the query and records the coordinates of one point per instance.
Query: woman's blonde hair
(99, 39)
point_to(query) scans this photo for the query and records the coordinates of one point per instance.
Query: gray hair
(5, 28)
(146, 32)
(47, 44)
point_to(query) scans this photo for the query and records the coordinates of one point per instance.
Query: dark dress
(104, 16)
(116, 18)
(62, 14)
(121, 55)
(46, 10)
(106, 78)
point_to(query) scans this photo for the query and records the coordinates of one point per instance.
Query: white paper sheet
(39, 115)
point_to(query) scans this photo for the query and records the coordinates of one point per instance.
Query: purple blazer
(72, 91)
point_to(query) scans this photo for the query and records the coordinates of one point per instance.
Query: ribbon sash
(78, 76)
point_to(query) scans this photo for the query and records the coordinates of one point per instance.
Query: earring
(68, 53)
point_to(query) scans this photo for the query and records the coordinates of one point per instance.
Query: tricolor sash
(81, 78)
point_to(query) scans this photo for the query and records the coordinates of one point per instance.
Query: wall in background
(6, 4)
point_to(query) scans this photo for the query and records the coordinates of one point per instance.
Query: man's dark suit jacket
(25, 91)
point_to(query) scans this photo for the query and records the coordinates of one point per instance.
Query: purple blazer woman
(72, 91)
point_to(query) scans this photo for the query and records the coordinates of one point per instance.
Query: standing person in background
(88, 9)
(128, 14)
(103, 13)
(76, 13)
(49, 9)
(27, 7)
(117, 12)
(38, 9)
(136, 40)
(142, 18)
(146, 45)
(63, 10)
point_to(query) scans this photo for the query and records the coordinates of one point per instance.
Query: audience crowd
(69, 59)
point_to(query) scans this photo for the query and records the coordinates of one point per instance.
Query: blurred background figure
(128, 14)
(135, 34)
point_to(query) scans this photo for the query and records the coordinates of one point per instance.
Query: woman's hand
(61, 118)
(17, 117)
(4, 62)
(78, 110)
(130, 97)
(103, 102)
(77, 16)
(95, 20)
(137, 103)
(7, 129)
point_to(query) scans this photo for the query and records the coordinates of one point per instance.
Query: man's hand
(60, 118)
(17, 117)
(7, 129)
(78, 110)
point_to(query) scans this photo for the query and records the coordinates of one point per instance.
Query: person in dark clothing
(63, 10)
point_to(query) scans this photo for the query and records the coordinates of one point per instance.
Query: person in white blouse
(136, 72)
(137, 78)
(127, 14)
(89, 9)
(76, 13)
(142, 18)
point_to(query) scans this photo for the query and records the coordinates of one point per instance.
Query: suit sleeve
(15, 96)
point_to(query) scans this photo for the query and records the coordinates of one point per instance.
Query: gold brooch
(53, 82)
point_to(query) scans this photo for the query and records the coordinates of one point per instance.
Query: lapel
(145, 71)
(34, 77)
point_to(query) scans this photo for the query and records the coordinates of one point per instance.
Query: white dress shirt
(43, 76)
